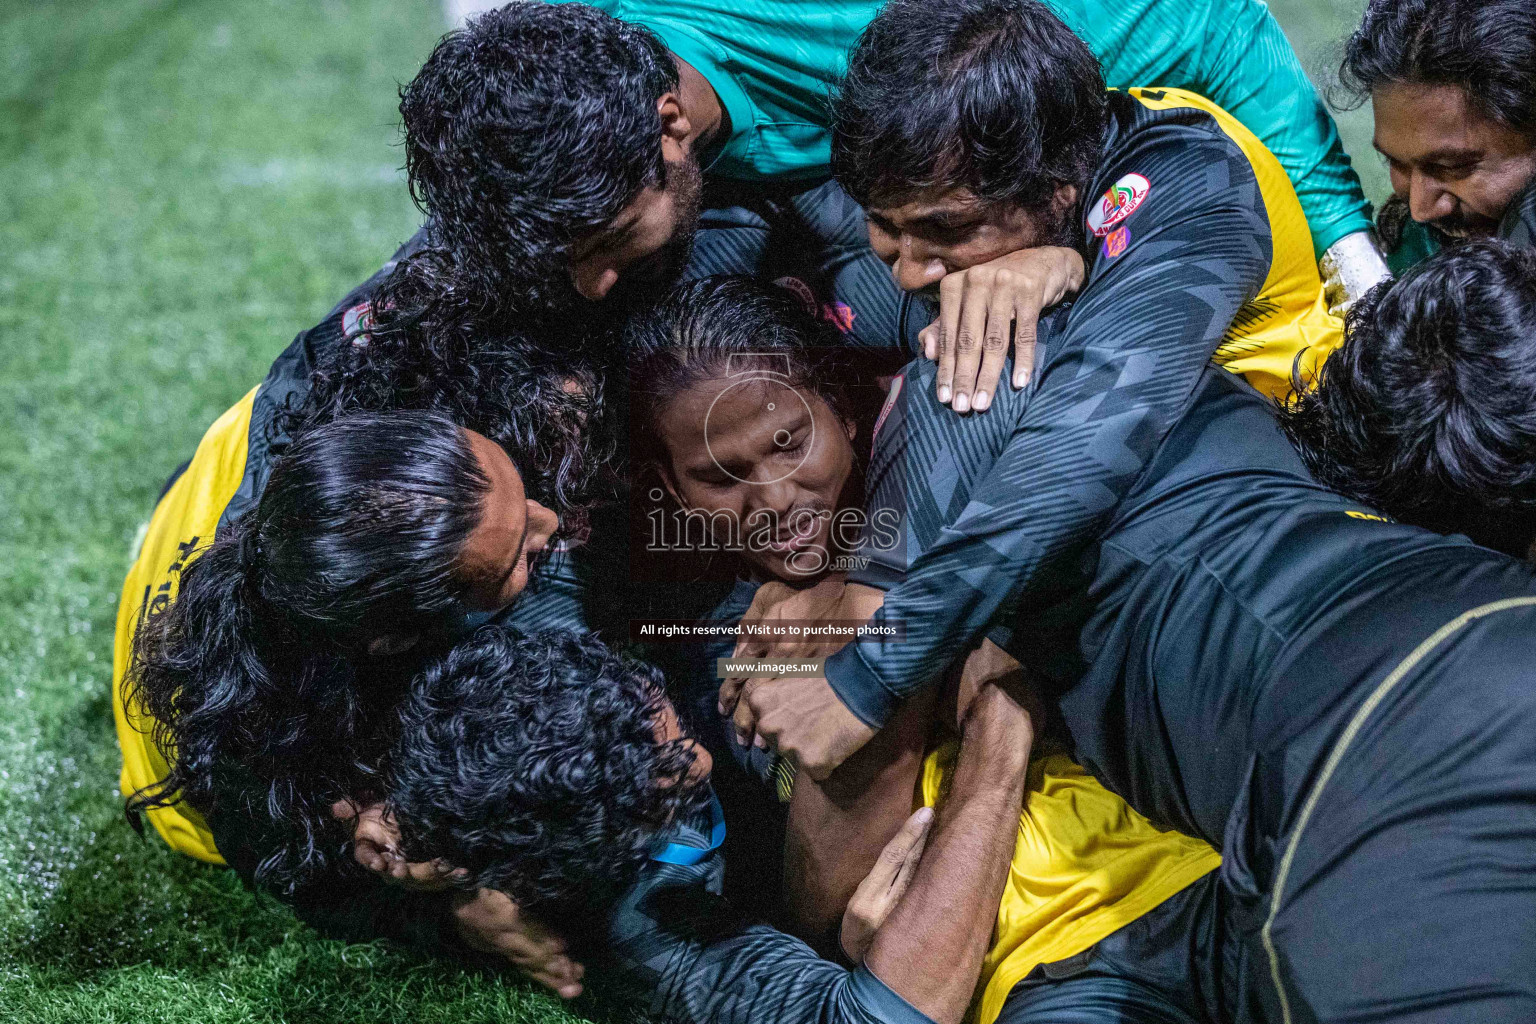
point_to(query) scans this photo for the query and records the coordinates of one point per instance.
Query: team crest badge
(1116, 241)
(356, 323)
(802, 291)
(1122, 200)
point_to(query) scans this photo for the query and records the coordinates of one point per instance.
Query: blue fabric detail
(677, 853)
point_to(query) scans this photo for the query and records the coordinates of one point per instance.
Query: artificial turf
(186, 183)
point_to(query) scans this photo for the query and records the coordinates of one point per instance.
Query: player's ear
(669, 483)
(850, 428)
(1064, 199)
(675, 127)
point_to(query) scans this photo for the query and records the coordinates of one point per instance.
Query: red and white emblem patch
(1122, 200)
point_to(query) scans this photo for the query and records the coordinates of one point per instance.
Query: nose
(595, 286)
(916, 268)
(542, 524)
(777, 496)
(1428, 200)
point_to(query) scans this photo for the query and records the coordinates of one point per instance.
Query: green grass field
(187, 183)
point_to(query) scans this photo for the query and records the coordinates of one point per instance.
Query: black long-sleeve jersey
(1200, 253)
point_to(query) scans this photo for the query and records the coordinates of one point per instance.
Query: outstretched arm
(701, 962)
(931, 947)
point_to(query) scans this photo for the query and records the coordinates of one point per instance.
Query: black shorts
(1165, 967)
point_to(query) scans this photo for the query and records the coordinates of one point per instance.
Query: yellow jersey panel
(1289, 319)
(1085, 865)
(182, 525)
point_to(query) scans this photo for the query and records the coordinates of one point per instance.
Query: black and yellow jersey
(183, 524)
(1198, 251)
(1340, 703)
(224, 479)
(1286, 326)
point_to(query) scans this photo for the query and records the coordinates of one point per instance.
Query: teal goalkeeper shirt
(773, 64)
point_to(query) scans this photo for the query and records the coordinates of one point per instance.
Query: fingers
(994, 343)
(951, 290)
(545, 962)
(370, 857)
(730, 694)
(490, 921)
(928, 337)
(914, 855)
(881, 889)
(745, 717)
(975, 297)
(429, 875)
(899, 851)
(562, 977)
(740, 650)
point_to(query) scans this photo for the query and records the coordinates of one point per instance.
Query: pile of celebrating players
(934, 510)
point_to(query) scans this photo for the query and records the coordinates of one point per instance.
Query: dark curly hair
(534, 763)
(1428, 409)
(527, 130)
(1487, 48)
(261, 664)
(995, 96)
(536, 392)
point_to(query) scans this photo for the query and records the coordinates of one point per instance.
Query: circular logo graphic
(776, 393)
(1118, 203)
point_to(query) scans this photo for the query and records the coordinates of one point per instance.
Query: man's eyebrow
(606, 235)
(1439, 156)
(943, 219)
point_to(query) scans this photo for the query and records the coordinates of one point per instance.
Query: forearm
(1119, 370)
(838, 827)
(701, 962)
(930, 950)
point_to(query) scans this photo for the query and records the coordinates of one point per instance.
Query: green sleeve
(1233, 53)
(774, 64)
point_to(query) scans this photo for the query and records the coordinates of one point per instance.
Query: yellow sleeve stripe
(1289, 317)
(181, 526)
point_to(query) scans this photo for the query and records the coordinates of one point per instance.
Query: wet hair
(723, 326)
(1487, 48)
(260, 666)
(526, 131)
(533, 763)
(536, 391)
(1428, 409)
(994, 96)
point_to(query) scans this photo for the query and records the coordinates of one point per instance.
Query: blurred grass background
(187, 183)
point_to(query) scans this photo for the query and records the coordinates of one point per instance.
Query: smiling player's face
(760, 451)
(1457, 170)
